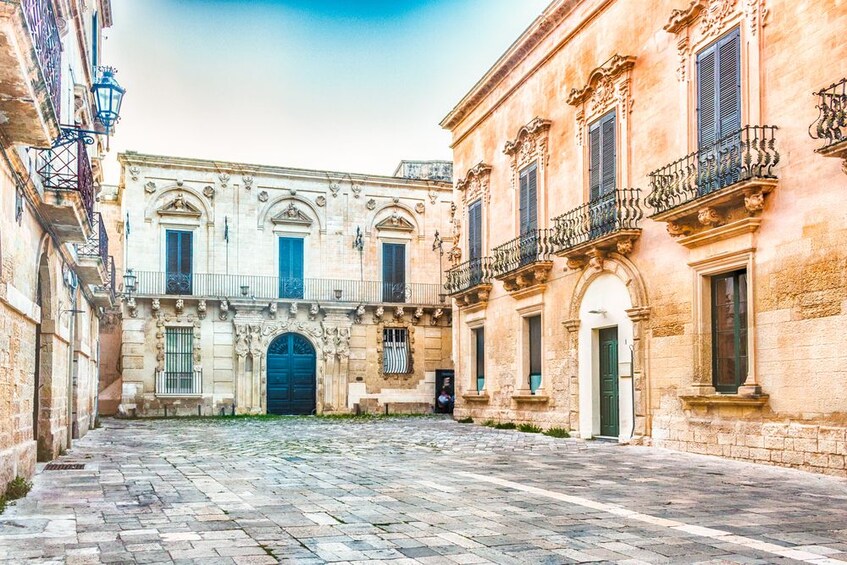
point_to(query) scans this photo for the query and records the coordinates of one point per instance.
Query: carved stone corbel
(754, 202)
(709, 216)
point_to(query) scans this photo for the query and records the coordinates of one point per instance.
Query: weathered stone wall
(797, 261)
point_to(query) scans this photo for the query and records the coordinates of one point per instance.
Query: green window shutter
(594, 165)
(475, 230)
(729, 84)
(531, 221)
(608, 154)
(707, 126)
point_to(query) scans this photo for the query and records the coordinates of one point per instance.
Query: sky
(340, 85)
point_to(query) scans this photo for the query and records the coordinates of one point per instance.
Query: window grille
(179, 377)
(395, 351)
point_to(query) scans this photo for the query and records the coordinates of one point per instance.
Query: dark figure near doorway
(444, 403)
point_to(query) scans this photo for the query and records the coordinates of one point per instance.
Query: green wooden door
(609, 417)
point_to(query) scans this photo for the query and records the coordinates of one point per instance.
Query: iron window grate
(64, 466)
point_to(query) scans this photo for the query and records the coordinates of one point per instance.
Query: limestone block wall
(638, 58)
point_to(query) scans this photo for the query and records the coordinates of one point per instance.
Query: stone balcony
(524, 263)
(470, 282)
(67, 186)
(607, 224)
(103, 294)
(30, 72)
(92, 257)
(719, 191)
(831, 125)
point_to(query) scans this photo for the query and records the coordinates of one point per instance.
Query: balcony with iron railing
(104, 294)
(30, 56)
(93, 255)
(831, 125)
(606, 224)
(470, 282)
(718, 191)
(524, 263)
(67, 183)
(204, 285)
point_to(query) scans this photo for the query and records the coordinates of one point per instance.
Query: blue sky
(345, 85)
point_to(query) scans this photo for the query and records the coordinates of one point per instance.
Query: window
(178, 377)
(479, 361)
(529, 199)
(95, 41)
(475, 242)
(178, 263)
(602, 168)
(395, 351)
(290, 267)
(719, 90)
(729, 331)
(393, 272)
(534, 324)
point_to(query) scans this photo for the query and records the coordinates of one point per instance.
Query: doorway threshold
(608, 439)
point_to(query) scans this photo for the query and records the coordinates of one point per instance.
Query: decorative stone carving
(529, 144)
(624, 246)
(433, 319)
(395, 222)
(399, 313)
(150, 187)
(223, 311)
(132, 307)
(714, 15)
(476, 184)
(601, 83)
(336, 343)
(708, 216)
(180, 305)
(420, 208)
(201, 309)
(378, 314)
(209, 192)
(358, 314)
(292, 191)
(754, 202)
(321, 201)
(419, 312)
(248, 182)
(334, 189)
(356, 189)
(224, 178)
(180, 180)
(263, 196)
(314, 310)
(676, 229)
(155, 305)
(272, 309)
(291, 214)
(371, 204)
(179, 206)
(134, 172)
(292, 310)
(433, 196)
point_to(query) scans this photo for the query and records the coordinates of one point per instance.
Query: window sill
(477, 398)
(736, 400)
(531, 398)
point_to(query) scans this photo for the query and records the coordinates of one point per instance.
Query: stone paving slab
(410, 490)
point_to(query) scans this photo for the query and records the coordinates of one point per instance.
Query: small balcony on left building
(67, 183)
(104, 294)
(30, 71)
(92, 257)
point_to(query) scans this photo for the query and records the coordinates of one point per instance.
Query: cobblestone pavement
(410, 490)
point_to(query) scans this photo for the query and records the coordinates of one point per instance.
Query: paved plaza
(410, 490)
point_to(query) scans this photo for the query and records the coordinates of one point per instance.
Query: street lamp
(129, 282)
(108, 95)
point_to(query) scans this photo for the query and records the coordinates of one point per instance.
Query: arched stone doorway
(42, 431)
(291, 375)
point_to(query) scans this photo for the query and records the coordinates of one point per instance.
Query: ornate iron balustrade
(613, 212)
(156, 283)
(179, 383)
(528, 248)
(97, 246)
(109, 285)
(831, 125)
(468, 275)
(749, 153)
(44, 31)
(66, 166)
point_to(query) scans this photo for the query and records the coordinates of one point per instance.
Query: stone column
(640, 317)
(336, 353)
(573, 365)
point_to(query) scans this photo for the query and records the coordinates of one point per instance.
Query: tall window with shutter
(528, 217)
(602, 172)
(475, 241)
(393, 272)
(719, 111)
(178, 262)
(291, 267)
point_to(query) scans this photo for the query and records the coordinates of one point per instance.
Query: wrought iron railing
(66, 166)
(609, 213)
(468, 275)
(44, 31)
(831, 125)
(108, 286)
(749, 153)
(179, 383)
(97, 244)
(526, 249)
(152, 283)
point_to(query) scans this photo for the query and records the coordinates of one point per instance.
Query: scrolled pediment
(601, 80)
(682, 18)
(292, 215)
(179, 206)
(395, 222)
(475, 183)
(531, 131)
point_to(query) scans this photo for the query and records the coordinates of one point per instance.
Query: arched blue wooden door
(292, 384)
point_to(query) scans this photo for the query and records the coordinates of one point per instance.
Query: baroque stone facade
(54, 284)
(240, 295)
(630, 344)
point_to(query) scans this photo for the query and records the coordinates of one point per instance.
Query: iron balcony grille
(153, 283)
(66, 166)
(44, 31)
(179, 383)
(749, 153)
(97, 245)
(528, 248)
(468, 275)
(831, 125)
(109, 286)
(613, 212)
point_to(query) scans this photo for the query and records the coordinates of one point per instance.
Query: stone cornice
(131, 158)
(609, 70)
(543, 25)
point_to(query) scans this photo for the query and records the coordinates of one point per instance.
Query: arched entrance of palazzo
(291, 375)
(607, 318)
(42, 431)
